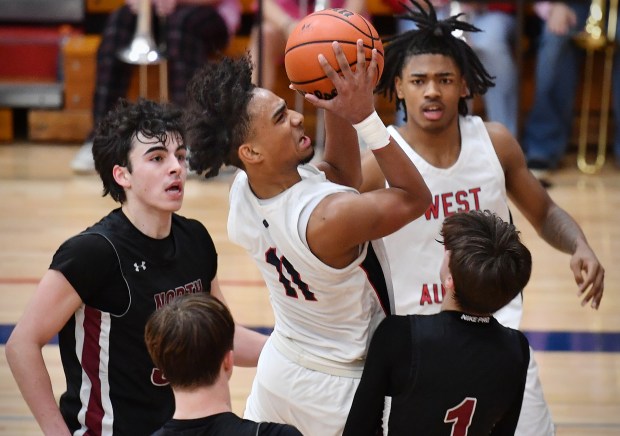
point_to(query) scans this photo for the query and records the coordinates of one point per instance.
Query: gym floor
(577, 349)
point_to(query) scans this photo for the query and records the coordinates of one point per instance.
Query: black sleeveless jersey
(448, 374)
(122, 277)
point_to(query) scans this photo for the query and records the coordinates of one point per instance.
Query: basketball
(314, 34)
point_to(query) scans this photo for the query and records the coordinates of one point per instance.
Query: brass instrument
(593, 38)
(143, 51)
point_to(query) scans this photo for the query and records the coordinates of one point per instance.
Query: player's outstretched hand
(355, 99)
(589, 275)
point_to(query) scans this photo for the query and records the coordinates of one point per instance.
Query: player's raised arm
(343, 221)
(353, 103)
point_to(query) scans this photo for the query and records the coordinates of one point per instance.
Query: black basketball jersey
(122, 277)
(225, 424)
(448, 374)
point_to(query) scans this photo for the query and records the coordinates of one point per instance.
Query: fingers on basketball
(314, 35)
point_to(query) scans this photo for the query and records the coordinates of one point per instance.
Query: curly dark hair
(217, 116)
(112, 142)
(433, 36)
(489, 264)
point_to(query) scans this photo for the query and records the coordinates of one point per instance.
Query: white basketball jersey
(475, 181)
(330, 313)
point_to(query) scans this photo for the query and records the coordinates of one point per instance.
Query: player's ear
(464, 89)
(398, 85)
(121, 176)
(228, 363)
(248, 153)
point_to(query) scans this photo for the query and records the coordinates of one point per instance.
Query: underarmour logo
(142, 265)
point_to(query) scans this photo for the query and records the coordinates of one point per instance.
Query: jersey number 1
(279, 262)
(461, 416)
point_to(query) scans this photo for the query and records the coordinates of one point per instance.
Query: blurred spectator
(548, 127)
(194, 31)
(279, 18)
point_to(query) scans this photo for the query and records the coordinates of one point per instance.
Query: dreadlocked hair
(216, 117)
(433, 36)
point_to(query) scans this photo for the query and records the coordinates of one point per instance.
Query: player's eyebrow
(440, 74)
(278, 111)
(155, 148)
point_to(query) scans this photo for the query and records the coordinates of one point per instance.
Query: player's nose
(297, 119)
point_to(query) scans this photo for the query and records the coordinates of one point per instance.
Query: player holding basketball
(459, 371)
(307, 228)
(103, 284)
(467, 164)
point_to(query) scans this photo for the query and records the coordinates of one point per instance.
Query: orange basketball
(314, 34)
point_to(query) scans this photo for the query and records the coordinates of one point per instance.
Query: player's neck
(265, 186)
(440, 148)
(201, 402)
(154, 225)
(450, 304)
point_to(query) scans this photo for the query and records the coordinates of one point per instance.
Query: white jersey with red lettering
(324, 316)
(328, 311)
(475, 181)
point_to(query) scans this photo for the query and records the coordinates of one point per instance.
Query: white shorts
(510, 314)
(535, 417)
(283, 391)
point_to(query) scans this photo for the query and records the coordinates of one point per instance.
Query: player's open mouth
(432, 112)
(434, 107)
(305, 142)
(175, 187)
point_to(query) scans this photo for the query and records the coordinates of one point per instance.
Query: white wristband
(373, 132)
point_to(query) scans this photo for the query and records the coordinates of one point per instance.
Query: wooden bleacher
(31, 34)
(58, 99)
(56, 88)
